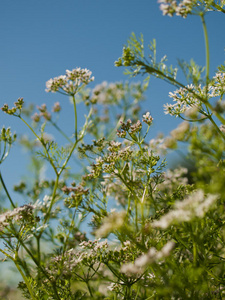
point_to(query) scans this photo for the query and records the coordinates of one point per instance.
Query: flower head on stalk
(180, 8)
(21, 213)
(70, 82)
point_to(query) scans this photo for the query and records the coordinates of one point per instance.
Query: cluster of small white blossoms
(158, 146)
(146, 259)
(184, 100)
(178, 134)
(218, 87)
(173, 179)
(89, 252)
(108, 162)
(108, 93)
(195, 205)
(70, 82)
(147, 118)
(16, 214)
(45, 203)
(171, 7)
(112, 222)
(113, 187)
(222, 128)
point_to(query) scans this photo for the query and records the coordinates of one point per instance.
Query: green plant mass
(152, 232)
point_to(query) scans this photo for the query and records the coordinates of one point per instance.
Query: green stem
(218, 7)
(136, 214)
(89, 288)
(176, 83)
(68, 158)
(49, 158)
(38, 265)
(21, 272)
(206, 50)
(75, 114)
(194, 253)
(38, 257)
(70, 230)
(6, 191)
(217, 128)
(52, 202)
(24, 277)
(66, 242)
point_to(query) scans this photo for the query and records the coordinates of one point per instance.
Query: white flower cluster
(16, 214)
(39, 205)
(146, 259)
(113, 221)
(157, 145)
(113, 93)
(171, 7)
(89, 251)
(222, 128)
(172, 179)
(195, 205)
(147, 118)
(218, 87)
(108, 93)
(113, 187)
(187, 99)
(70, 82)
(184, 100)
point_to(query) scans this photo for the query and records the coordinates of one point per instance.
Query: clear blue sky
(41, 39)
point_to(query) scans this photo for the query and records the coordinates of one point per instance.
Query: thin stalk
(176, 83)
(38, 265)
(142, 207)
(21, 272)
(194, 253)
(52, 202)
(66, 242)
(49, 158)
(218, 7)
(217, 128)
(24, 277)
(25, 280)
(136, 213)
(75, 114)
(5, 153)
(38, 256)
(6, 190)
(70, 229)
(68, 157)
(89, 288)
(128, 207)
(206, 50)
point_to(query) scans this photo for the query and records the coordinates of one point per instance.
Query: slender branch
(75, 114)
(47, 216)
(219, 8)
(43, 144)
(24, 277)
(38, 264)
(6, 190)
(21, 272)
(206, 50)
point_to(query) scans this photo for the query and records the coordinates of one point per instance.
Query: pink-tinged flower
(70, 82)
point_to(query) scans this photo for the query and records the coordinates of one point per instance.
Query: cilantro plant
(166, 237)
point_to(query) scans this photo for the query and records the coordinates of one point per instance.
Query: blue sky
(41, 39)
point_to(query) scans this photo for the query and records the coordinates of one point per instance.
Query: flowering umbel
(70, 82)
